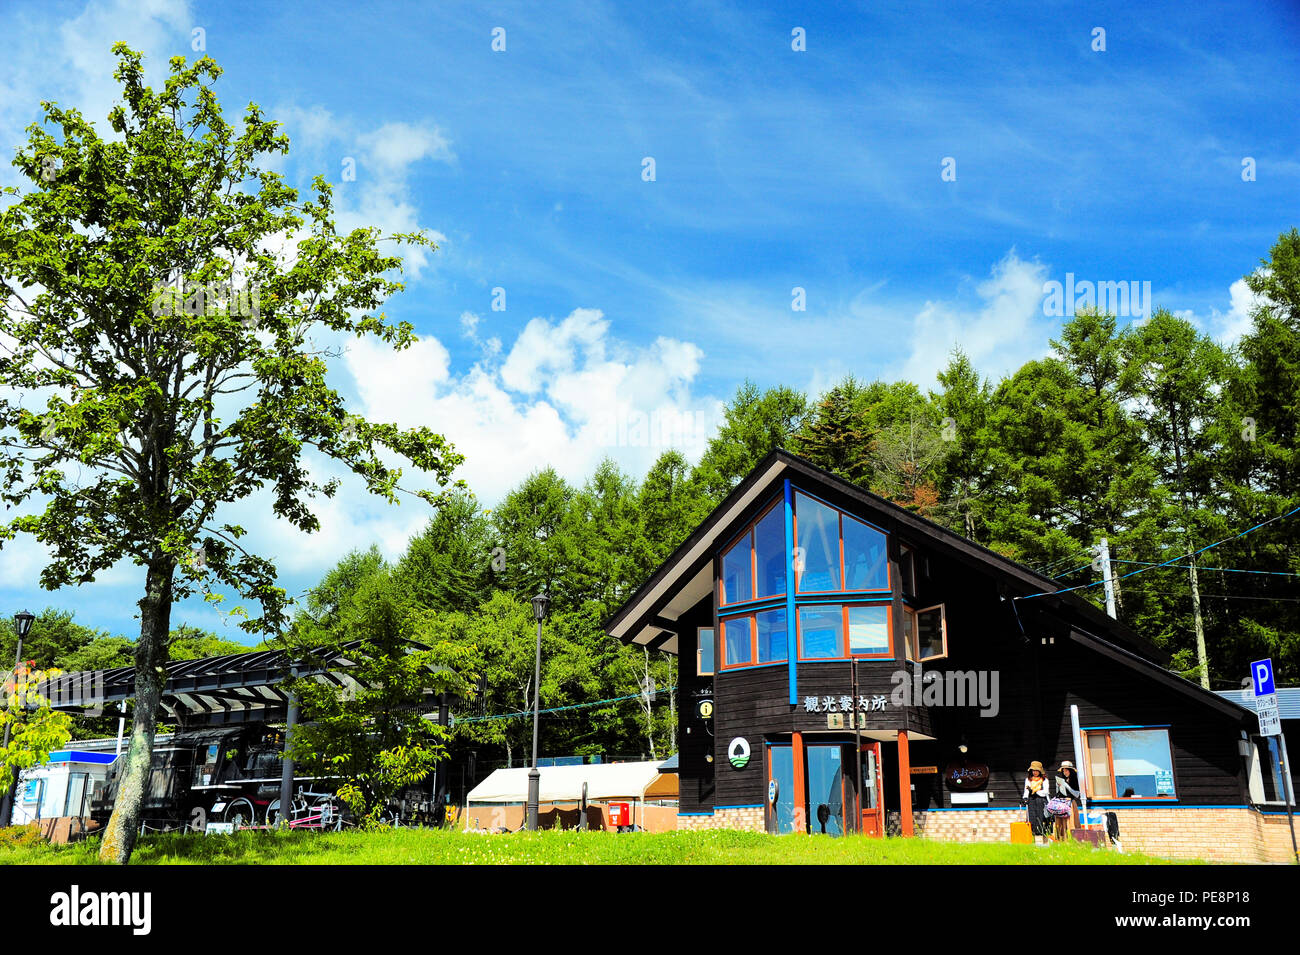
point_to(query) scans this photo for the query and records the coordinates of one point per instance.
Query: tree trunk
(1202, 657)
(150, 676)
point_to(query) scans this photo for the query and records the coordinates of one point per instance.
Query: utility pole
(1103, 556)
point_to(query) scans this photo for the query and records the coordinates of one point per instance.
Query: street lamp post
(22, 624)
(540, 603)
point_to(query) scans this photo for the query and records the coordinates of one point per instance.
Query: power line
(1174, 560)
(1227, 570)
(1175, 593)
(1046, 567)
(1075, 570)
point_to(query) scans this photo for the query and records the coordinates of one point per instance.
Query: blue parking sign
(1261, 673)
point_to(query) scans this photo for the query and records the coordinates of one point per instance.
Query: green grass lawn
(425, 847)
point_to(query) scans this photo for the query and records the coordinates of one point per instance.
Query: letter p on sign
(1262, 672)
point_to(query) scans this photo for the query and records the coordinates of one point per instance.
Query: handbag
(1058, 806)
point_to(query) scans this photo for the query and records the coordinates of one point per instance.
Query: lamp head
(23, 623)
(540, 603)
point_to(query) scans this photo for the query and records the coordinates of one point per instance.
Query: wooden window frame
(1110, 763)
(889, 654)
(753, 661)
(840, 515)
(722, 663)
(845, 650)
(915, 648)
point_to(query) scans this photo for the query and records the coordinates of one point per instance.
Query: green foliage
(754, 424)
(373, 735)
(34, 729)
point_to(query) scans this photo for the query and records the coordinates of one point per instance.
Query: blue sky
(774, 169)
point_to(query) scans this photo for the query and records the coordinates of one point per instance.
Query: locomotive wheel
(241, 813)
(273, 813)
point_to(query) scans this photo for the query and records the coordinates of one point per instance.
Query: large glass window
(1130, 764)
(769, 553)
(753, 567)
(818, 534)
(771, 636)
(738, 640)
(821, 632)
(866, 561)
(869, 630)
(737, 571)
(704, 652)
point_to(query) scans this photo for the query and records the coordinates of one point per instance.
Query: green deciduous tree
(34, 729)
(141, 413)
(374, 738)
(754, 424)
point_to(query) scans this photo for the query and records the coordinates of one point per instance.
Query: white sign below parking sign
(1266, 709)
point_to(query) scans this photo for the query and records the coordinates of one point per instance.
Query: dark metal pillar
(535, 774)
(286, 769)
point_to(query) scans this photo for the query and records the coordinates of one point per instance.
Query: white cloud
(394, 146)
(566, 395)
(1229, 326)
(1008, 329)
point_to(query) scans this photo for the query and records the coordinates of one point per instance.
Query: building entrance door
(873, 791)
(826, 787)
(780, 788)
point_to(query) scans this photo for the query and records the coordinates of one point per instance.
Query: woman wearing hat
(1035, 797)
(1067, 787)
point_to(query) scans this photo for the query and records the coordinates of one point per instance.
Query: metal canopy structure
(215, 691)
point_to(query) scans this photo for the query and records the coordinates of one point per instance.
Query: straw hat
(1036, 765)
(1066, 764)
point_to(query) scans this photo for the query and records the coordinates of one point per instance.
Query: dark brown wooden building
(847, 666)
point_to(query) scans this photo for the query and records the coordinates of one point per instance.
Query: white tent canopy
(564, 783)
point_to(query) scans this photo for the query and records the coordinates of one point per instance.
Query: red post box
(620, 814)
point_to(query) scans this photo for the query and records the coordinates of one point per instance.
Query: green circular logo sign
(738, 752)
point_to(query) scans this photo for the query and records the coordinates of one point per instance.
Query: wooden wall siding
(694, 743)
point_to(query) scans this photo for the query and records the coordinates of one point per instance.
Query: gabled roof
(649, 616)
